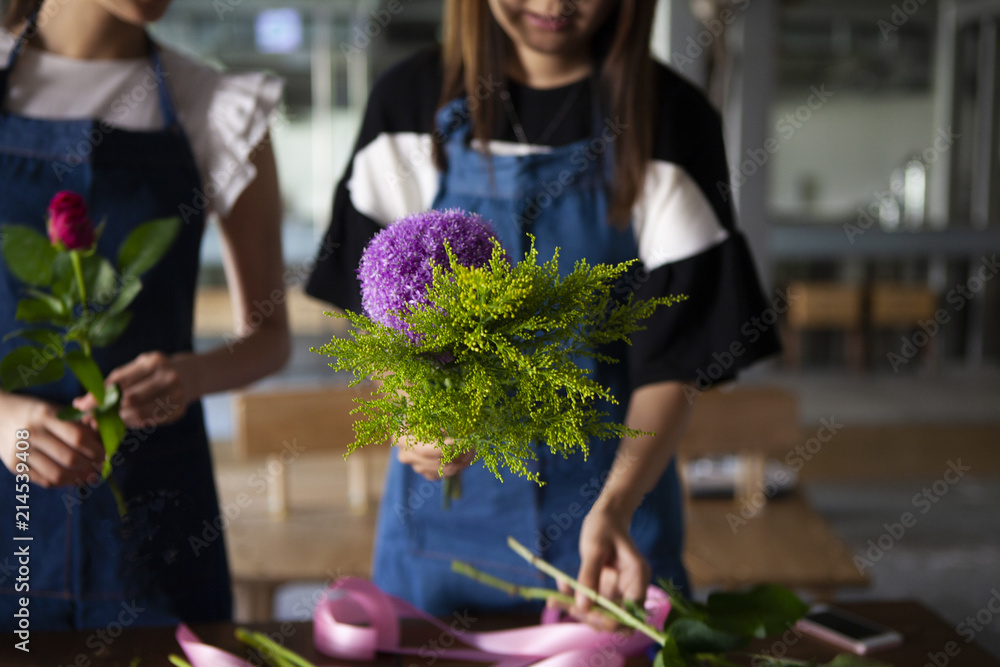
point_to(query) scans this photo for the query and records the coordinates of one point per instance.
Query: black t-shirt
(683, 221)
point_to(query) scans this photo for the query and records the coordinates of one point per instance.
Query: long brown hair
(18, 12)
(475, 50)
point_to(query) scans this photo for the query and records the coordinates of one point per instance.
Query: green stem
(119, 498)
(526, 592)
(178, 661)
(282, 657)
(620, 614)
(451, 490)
(74, 256)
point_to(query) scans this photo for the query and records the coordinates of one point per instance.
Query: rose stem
(78, 270)
(620, 614)
(178, 661)
(525, 592)
(264, 644)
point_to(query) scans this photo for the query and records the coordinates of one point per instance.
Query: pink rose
(69, 222)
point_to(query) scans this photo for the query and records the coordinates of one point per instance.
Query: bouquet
(76, 300)
(478, 354)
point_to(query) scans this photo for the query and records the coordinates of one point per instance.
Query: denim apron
(559, 197)
(163, 561)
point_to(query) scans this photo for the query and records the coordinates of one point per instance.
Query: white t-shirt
(225, 116)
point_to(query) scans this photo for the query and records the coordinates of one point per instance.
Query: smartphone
(848, 631)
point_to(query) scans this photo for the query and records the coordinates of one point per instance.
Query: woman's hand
(426, 459)
(610, 563)
(61, 453)
(156, 388)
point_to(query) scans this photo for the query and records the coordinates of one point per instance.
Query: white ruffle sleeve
(226, 116)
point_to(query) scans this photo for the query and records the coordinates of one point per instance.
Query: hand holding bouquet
(476, 354)
(75, 301)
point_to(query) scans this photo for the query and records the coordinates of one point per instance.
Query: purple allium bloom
(396, 267)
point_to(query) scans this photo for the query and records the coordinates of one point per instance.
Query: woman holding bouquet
(549, 117)
(90, 104)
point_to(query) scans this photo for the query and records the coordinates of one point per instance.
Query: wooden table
(786, 542)
(923, 631)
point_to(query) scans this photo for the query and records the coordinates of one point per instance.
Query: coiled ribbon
(357, 620)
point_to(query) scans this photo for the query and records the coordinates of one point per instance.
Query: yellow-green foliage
(495, 369)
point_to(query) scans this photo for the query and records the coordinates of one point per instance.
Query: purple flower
(396, 267)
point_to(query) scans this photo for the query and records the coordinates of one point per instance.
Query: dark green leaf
(112, 430)
(43, 337)
(693, 636)
(28, 254)
(108, 327)
(64, 280)
(87, 372)
(44, 310)
(112, 397)
(27, 367)
(760, 612)
(69, 414)
(146, 245)
(100, 279)
(670, 655)
(130, 290)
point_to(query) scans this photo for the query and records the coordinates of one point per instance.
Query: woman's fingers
(425, 459)
(78, 436)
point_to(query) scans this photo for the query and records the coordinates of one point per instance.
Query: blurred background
(864, 146)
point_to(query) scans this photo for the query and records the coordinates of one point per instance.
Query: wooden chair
(750, 541)
(280, 435)
(825, 306)
(903, 307)
(270, 424)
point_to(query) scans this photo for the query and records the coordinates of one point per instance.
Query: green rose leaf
(693, 636)
(86, 371)
(43, 337)
(27, 366)
(107, 327)
(99, 278)
(112, 431)
(43, 309)
(28, 254)
(760, 612)
(670, 655)
(70, 414)
(130, 290)
(146, 245)
(63, 280)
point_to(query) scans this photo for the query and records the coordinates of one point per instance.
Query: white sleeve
(226, 116)
(673, 220)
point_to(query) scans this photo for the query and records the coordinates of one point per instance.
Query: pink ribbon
(357, 620)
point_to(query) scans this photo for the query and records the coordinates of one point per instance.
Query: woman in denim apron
(89, 567)
(567, 82)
